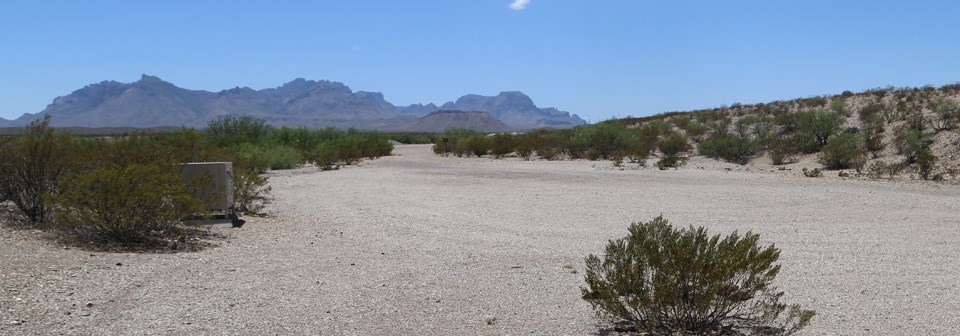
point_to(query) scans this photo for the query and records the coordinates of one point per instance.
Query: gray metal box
(217, 195)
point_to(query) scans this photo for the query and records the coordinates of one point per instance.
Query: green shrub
(910, 143)
(501, 144)
(638, 152)
(549, 154)
(441, 147)
(32, 165)
(871, 112)
(946, 114)
(728, 147)
(840, 106)
(818, 125)
(592, 154)
(478, 145)
(325, 156)
(843, 151)
(782, 151)
(250, 191)
(753, 126)
(617, 157)
(664, 280)
(524, 150)
(880, 168)
(262, 158)
(603, 138)
(123, 205)
(873, 136)
(232, 130)
(673, 144)
(925, 163)
(891, 115)
(670, 161)
(283, 157)
(695, 130)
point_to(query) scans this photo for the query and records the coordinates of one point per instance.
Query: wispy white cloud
(519, 4)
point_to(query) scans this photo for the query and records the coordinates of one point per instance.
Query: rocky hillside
(153, 102)
(901, 129)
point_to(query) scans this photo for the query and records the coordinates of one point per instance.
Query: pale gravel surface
(423, 245)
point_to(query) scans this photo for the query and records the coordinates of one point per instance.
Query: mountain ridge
(153, 102)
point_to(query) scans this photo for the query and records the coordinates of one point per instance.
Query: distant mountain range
(153, 102)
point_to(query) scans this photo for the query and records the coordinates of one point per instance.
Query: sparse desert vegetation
(126, 190)
(916, 127)
(460, 241)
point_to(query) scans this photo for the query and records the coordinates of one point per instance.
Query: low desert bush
(782, 151)
(603, 139)
(250, 191)
(501, 144)
(946, 114)
(123, 205)
(592, 154)
(673, 144)
(478, 145)
(879, 168)
(925, 163)
(31, 166)
(549, 154)
(234, 130)
(263, 158)
(911, 142)
(873, 136)
(617, 157)
(729, 147)
(844, 151)
(817, 126)
(667, 281)
(670, 161)
(442, 148)
(325, 156)
(524, 150)
(815, 172)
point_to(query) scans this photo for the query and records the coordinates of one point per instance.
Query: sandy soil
(419, 245)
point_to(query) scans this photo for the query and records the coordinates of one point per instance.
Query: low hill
(440, 121)
(894, 125)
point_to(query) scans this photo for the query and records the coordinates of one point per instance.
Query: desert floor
(421, 245)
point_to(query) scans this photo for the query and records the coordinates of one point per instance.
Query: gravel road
(415, 244)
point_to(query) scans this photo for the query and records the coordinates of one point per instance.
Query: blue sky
(596, 58)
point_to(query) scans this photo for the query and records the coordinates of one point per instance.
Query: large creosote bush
(31, 165)
(124, 205)
(844, 151)
(665, 281)
(817, 126)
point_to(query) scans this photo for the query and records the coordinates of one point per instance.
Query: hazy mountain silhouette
(152, 102)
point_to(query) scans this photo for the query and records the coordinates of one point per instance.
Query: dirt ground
(415, 244)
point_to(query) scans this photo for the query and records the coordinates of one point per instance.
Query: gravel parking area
(416, 244)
